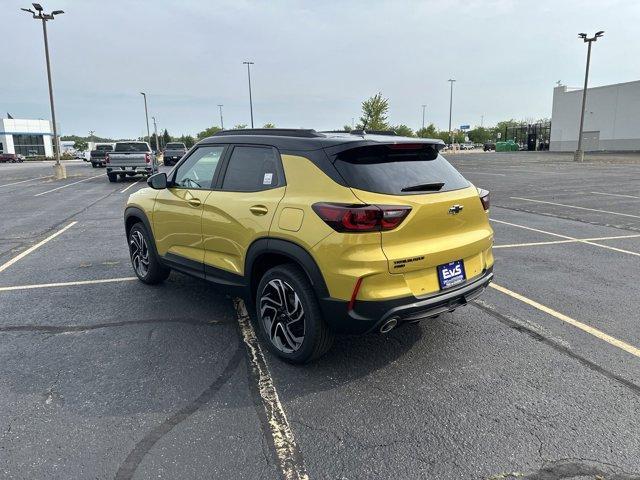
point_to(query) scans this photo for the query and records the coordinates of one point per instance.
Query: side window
(198, 170)
(252, 169)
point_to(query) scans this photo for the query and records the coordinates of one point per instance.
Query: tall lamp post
(155, 130)
(221, 120)
(579, 155)
(146, 114)
(59, 169)
(451, 80)
(248, 64)
(423, 108)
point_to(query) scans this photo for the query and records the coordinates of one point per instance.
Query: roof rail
(391, 133)
(275, 132)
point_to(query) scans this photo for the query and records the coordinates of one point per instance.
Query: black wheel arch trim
(288, 249)
(138, 213)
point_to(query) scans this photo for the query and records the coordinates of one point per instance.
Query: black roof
(307, 140)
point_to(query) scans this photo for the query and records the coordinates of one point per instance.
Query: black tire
(93, 165)
(141, 247)
(112, 177)
(316, 336)
(122, 176)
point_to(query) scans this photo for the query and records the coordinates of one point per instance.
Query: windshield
(132, 147)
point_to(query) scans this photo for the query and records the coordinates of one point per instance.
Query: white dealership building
(26, 137)
(611, 118)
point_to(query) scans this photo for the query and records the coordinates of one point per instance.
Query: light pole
(146, 114)
(423, 108)
(579, 155)
(248, 64)
(221, 120)
(451, 80)
(59, 169)
(155, 130)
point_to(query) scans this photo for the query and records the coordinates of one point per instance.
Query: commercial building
(611, 118)
(26, 137)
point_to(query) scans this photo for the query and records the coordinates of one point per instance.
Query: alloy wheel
(139, 253)
(282, 315)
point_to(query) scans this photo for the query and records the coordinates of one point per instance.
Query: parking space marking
(24, 181)
(555, 242)
(577, 240)
(571, 321)
(286, 449)
(484, 173)
(6, 265)
(615, 195)
(575, 206)
(67, 284)
(67, 185)
(134, 183)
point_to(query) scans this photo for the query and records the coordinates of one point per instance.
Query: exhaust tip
(389, 325)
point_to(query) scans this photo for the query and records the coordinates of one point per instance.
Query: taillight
(484, 198)
(147, 157)
(106, 158)
(361, 218)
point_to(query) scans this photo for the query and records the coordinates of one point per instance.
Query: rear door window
(251, 169)
(398, 170)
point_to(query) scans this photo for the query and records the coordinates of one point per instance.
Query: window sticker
(268, 178)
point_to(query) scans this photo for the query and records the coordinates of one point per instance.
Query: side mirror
(157, 181)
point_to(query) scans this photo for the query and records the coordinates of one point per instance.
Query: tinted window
(104, 148)
(175, 145)
(251, 169)
(198, 170)
(386, 170)
(132, 147)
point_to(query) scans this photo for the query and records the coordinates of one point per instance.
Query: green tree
(166, 138)
(268, 125)
(188, 140)
(480, 135)
(430, 131)
(240, 126)
(347, 128)
(80, 145)
(374, 113)
(208, 132)
(403, 131)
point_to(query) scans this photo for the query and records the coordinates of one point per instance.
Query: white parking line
(574, 206)
(287, 450)
(24, 181)
(134, 183)
(6, 265)
(578, 240)
(555, 242)
(571, 321)
(483, 173)
(67, 185)
(615, 195)
(67, 284)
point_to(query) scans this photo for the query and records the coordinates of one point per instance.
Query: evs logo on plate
(451, 274)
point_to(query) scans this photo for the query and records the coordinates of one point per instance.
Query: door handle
(258, 209)
(194, 202)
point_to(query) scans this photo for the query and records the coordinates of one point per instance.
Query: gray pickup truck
(130, 158)
(173, 152)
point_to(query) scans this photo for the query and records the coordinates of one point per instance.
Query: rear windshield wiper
(424, 187)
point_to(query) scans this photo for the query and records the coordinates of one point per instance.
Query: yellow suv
(321, 233)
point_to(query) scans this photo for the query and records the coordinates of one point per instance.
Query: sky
(315, 61)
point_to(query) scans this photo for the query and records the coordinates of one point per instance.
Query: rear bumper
(125, 169)
(367, 316)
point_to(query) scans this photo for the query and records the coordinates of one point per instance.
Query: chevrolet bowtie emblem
(455, 209)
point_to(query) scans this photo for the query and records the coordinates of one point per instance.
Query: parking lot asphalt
(104, 377)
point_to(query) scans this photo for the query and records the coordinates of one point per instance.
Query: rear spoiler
(401, 143)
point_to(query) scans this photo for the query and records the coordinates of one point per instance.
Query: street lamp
(59, 169)
(579, 155)
(221, 120)
(248, 64)
(451, 80)
(155, 129)
(146, 114)
(423, 107)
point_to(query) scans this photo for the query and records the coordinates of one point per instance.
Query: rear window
(176, 146)
(401, 171)
(104, 148)
(132, 147)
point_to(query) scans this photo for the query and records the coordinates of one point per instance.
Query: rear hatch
(130, 154)
(447, 221)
